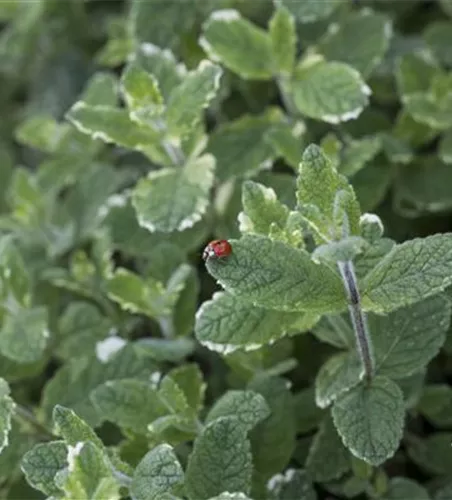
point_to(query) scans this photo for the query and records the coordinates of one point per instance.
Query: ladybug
(217, 249)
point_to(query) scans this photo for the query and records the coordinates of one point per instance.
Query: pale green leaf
(414, 73)
(14, 275)
(372, 228)
(220, 461)
(283, 39)
(401, 488)
(338, 375)
(426, 108)
(102, 88)
(157, 474)
(40, 132)
(190, 380)
(358, 153)
(410, 272)
(227, 36)
(249, 407)
(445, 147)
(405, 340)
(240, 147)
(131, 404)
(72, 428)
(6, 409)
(231, 496)
(335, 330)
(332, 92)
(187, 101)
(287, 141)
(227, 323)
(340, 251)
(370, 419)
(138, 295)
(41, 464)
(294, 484)
(114, 125)
(328, 458)
(24, 335)
(273, 440)
(273, 275)
(88, 475)
(436, 405)
(141, 93)
(361, 39)
(172, 350)
(309, 11)
(174, 199)
(438, 37)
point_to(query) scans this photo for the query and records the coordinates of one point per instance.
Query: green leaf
(370, 419)
(41, 464)
(414, 73)
(141, 93)
(340, 251)
(328, 458)
(438, 38)
(158, 473)
(426, 108)
(174, 199)
(358, 153)
(227, 323)
(324, 196)
(6, 409)
(309, 11)
(40, 132)
(287, 141)
(102, 88)
(273, 275)
(72, 428)
(83, 375)
(240, 147)
(307, 414)
(335, 330)
(294, 484)
(14, 276)
(401, 488)
(231, 496)
(432, 454)
(249, 407)
(190, 380)
(283, 39)
(338, 375)
(187, 101)
(220, 461)
(410, 272)
(361, 39)
(332, 92)
(406, 340)
(113, 125)
(273, 440)
(138, 295)
(131, 404)
(24, 335)
(227, 36)
(88, 474)
(436, 405)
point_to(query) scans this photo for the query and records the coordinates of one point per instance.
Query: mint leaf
(286, 139)
(328, 458)
(329, 91)
(283, 39)
(227, 36)
(445, 147)
(72, 428)
(436, 405)
(310, 10)
(157, 474)
(190, 380)
(361, 40)
(370, 419)
(308, 415)
(432, 454)
(227, 323)
(187, 101)
(249, 407)
(271, 274)
(410, 272)
(131, 404)
(338, 375)
(400, 488)
(404, 341)
(294, 484)
(273, 440)
(240, 147)
(24, 335)
(6, 409)
(220, 461)
(41, 464)
(174, 199)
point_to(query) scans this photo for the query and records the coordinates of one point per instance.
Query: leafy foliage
(313, 359)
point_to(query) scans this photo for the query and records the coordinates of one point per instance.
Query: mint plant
(306, 355)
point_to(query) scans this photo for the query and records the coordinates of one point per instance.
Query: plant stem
(358, 317)
(22, 414)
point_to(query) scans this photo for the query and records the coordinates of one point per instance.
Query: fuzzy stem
(358, 317)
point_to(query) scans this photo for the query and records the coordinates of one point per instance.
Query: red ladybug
(217, 249)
